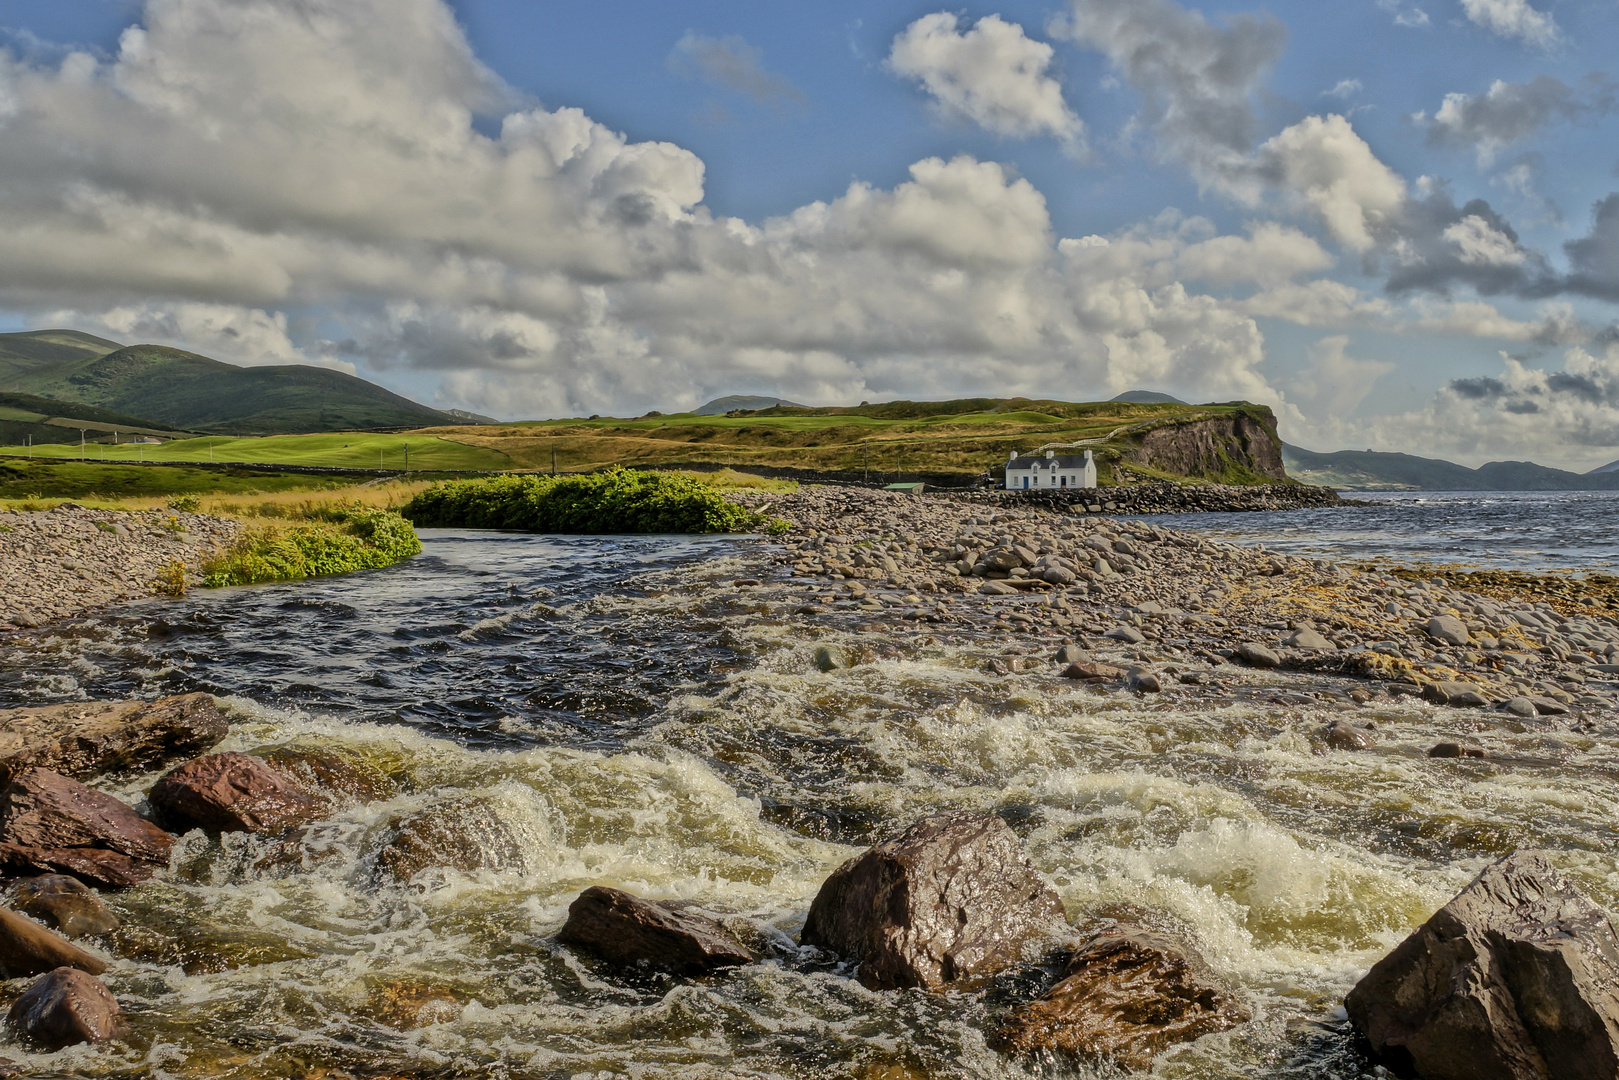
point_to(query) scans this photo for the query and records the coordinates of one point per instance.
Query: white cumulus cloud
(991, 74)
(1513, 19)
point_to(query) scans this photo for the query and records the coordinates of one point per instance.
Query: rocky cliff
(1239, 447)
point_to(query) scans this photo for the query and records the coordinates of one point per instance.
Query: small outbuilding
(1050, 471)
(912, 488)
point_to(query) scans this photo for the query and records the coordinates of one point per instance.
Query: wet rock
(623, 929)
(466, 835)
(1251, 652)
(1517, 978)
(1449, 630)
(65, 1007)
(1548, 706)
(1127, 634)
(1459, 694)
(27, 948)
(85, 739)
(1128, 995)
(1142, 680)
(952, 897)
(1457, 750)
(336, 773)
(1521, 706)
(65, 904)
(996, 588)
(42, 809)
(1343, 735)
(1307, 639)
(1058, 575)
(1072, 654)
(230, 793)
(93, 866)
(827, 658)
(1092, 671)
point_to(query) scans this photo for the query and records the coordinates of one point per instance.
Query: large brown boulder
(94, 866)
(1128, 994)
(27, 948)
(42, 809)
(230, 793)
(65, 904)
(1517, 978)
(84, 739)
(65, 1007)
(952, 897)
(623, 929)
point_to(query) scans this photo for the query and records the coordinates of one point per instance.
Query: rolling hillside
(178, 389)
(945, 441)
(1370, 470)
(24, 418)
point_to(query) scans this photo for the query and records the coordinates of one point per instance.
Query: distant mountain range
(171, 388)
(1371, 470)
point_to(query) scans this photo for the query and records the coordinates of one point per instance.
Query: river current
(551, 713)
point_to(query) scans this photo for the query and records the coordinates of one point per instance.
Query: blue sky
(1359, 213)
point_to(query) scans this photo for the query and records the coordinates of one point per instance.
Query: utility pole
(82, 455)
(867, 448)
(407, 461)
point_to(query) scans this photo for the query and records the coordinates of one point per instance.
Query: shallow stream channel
(528, 716)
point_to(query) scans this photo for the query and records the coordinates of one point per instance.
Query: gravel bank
(1180, 606)
(55, 564)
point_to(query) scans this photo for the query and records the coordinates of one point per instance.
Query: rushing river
(550, 713)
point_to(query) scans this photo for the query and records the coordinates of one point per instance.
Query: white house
(1051, 471)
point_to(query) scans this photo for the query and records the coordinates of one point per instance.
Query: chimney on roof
(1050, 454)
(1012, 456)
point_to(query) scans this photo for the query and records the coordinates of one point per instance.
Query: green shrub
(615, 501)
(348, 540)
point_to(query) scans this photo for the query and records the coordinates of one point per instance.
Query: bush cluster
(615, 501)
(362, 539)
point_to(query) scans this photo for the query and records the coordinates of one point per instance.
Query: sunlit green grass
(352, 451)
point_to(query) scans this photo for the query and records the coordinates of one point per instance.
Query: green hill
(26, 418)
(24, 353)
(944, 442)
(180, 389)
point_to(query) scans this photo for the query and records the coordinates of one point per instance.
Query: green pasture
(428, 453)
(52, 478)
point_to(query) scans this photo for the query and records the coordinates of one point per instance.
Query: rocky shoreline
(70, 560)
(1177, 608)
(1164, 498)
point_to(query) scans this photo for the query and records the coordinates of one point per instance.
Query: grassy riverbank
(615, 501)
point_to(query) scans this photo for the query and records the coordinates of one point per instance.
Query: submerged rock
(950, 898)
(1517, 978)
(1450, 692)
(465, 835)
(338, 774)
(624, 929)
(64, 903)
(84, 739)
(1092, 671)
(65, 1007)
(1142, 680)
(1128, 994)
(1343, 735)
(41, 809)
(230, 793)
(27, 948)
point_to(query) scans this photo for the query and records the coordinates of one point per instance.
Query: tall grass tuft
(341, 541)
(615, 501)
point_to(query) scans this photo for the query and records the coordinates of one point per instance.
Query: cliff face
(1236, 448)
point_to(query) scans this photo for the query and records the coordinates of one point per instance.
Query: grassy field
(92, 482)
(428, 452)
(893, 440)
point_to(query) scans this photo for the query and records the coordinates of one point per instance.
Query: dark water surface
(550, 713)
(1515, 530)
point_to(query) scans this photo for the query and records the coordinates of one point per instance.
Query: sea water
(563, 712)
